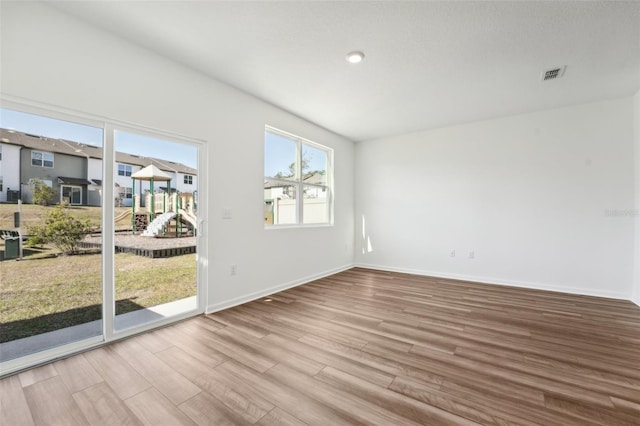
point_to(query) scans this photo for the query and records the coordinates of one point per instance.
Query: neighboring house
(74, 170)
(60, 164)
(9, 172)
(184, 178)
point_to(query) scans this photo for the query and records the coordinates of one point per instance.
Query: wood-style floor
(359, 347)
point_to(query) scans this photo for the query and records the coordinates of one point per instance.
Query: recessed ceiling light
(355, 57)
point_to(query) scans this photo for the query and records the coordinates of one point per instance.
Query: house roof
(78, 149)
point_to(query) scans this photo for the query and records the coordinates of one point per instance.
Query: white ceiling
(427, 65)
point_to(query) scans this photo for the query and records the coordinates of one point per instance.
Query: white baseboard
(497, 281)
(262, 293)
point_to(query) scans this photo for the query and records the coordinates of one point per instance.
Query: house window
(124, 170)
(1, 187)
(297, 180)
(0, 152)
(188, 180)
(127, 193)
(41, 159)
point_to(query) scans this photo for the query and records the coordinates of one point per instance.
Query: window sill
(298, 226)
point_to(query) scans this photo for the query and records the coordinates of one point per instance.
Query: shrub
(61, 230)
(42, 194)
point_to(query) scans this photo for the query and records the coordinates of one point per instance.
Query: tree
(60, 229)
(42, 193)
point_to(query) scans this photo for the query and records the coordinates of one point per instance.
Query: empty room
(319, 212)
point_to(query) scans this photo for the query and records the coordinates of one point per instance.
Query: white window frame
(299, 184)
(43, 159)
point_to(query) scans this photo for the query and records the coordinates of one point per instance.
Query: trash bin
(11, 247)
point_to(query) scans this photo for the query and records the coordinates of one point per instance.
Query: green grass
(33, 214)
(41, 295)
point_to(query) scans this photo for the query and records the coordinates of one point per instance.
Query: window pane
(49, 299)
(314, 165)
(279, 156)
(280, 203)
(48, 159)
(156, 228)
(315, 204)
(36, 158)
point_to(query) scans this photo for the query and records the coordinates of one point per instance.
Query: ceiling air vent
(553, 73)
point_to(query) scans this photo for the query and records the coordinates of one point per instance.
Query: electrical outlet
(234, 270)
(472, 255)
(452, 253)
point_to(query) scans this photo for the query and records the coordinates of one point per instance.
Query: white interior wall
(538, 198)
(636, 136)
(51, 58)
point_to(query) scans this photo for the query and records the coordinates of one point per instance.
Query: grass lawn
(33, 214)
(41, 295)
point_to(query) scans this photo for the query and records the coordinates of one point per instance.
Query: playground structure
(176, 207)
(167, 213)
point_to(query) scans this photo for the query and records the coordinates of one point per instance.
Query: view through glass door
(51, 284)
(156, 203)
(72, 237)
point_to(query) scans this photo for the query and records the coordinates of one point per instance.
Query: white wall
(537, 198)
(636, 136)
(51, 58)
(9, 169)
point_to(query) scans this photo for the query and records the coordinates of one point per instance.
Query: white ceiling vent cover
(553, 73)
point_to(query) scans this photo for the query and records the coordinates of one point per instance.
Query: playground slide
(122, 215)
(156, 226)
(189, 217)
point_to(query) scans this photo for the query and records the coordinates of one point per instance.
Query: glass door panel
(53, 295)
(155, 228)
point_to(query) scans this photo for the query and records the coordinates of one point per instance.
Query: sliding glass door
(99, 228)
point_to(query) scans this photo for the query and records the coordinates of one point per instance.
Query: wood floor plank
(153, 409)
(322, 356)
(387, 364)
(123, 379)
(51, 404)
(153, 341)
(400, 404)
(241, 353)
(204, 409)
(359, 347)
(271, 351)
(77, 373)
(14, 409)
(585, 412)
(245, 402)
(359, 409)
(192, 346)
(37, 374)
(291, 400)
(102, 407)
(279, 417)
(170, 383)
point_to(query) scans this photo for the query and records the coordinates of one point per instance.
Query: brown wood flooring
(359, 347)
